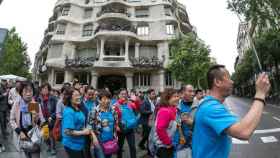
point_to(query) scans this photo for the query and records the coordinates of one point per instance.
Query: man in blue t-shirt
(214, 124)
(184, 108)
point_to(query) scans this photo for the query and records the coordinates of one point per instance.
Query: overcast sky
(216, 25)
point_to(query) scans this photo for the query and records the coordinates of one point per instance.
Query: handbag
(57, 130)
(110, 147)
(33, 142)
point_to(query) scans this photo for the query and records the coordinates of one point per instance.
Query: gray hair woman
(22, 120)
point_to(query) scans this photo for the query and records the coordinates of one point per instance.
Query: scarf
(45, 109)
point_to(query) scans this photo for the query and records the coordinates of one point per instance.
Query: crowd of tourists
(90, 122)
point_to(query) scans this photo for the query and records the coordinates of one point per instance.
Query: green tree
(15, 59)
(246, 69)
(259, 12)
(190, 60)
(268, 47)
(244, 74)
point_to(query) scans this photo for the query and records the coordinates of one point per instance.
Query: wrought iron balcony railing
(80, 61)
(145, 62)
(116, 27)
(113, 10)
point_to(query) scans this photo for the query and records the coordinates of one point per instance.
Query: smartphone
(185, 115)
(33, 107)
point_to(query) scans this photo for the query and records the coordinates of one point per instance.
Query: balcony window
(83, 77)
(142, 79)
(113, 48)
(51, 27)
(59, 77)
(65, 11)
(143, 30)
(88, 13)
(142, 12)
(87, 30)
(168, 79)
(170, 29)
(148, 51)
(61, 29)
(86, 52)
(167, 10)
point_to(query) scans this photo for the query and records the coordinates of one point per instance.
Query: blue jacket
(146, 111)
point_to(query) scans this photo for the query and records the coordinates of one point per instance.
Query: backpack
(152, 142)
(153, 138)
(128, 118)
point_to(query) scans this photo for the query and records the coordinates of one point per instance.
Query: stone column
(68, 76)
(97, 49)
(165, 53)
(161, 80)
(102, 43)
(51, 76)
(159, 50)
(126, 49)
(94, 79)
(137, 45)
(129, 81)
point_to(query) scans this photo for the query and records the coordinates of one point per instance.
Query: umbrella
(12, 77)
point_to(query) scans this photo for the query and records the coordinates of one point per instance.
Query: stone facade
(111, 43)
(3, 35)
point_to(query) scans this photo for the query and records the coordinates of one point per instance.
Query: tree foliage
(190, 60)
(15, 59)
(268, 48)
(246, 69)
(259, 12)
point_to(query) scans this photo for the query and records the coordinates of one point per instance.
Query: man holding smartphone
(182, 137)
(214, 123)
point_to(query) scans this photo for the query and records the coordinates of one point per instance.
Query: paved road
(263, 144)
(265, 140)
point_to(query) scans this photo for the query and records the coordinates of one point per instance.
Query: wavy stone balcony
(80, 62)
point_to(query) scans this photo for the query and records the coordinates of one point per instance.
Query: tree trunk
(198, 84)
